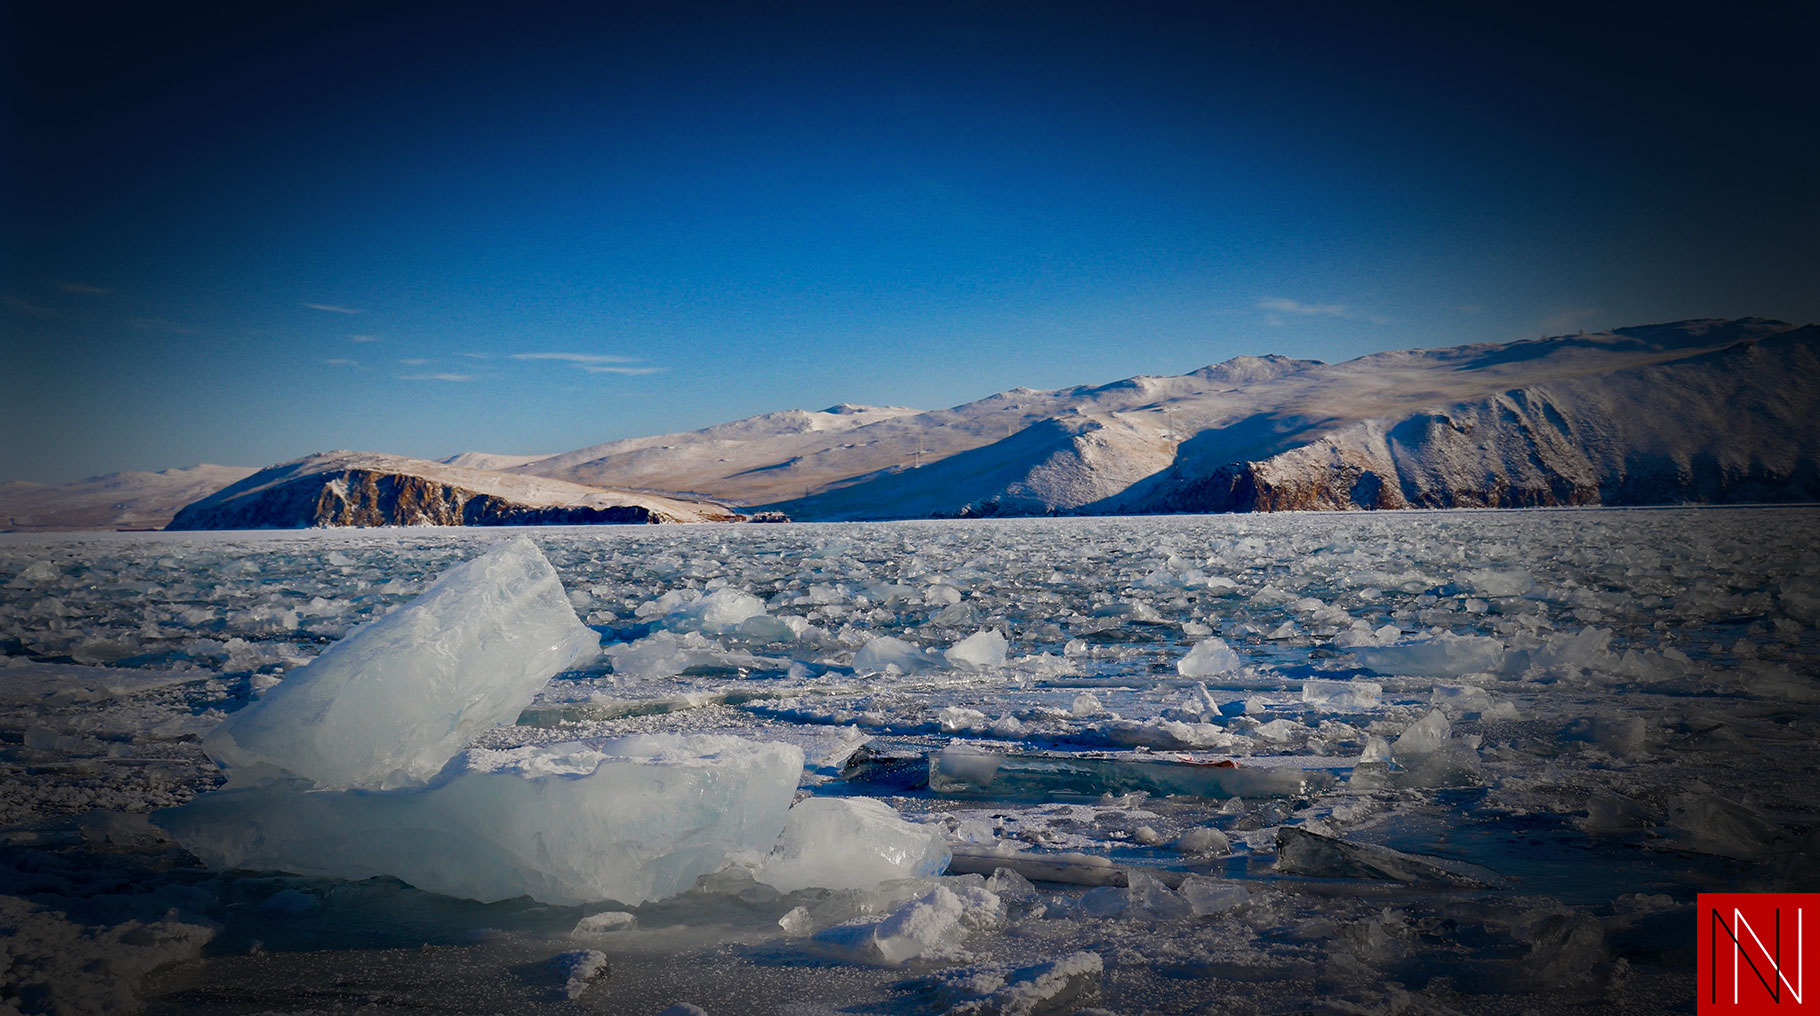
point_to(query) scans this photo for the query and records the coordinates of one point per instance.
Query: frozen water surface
(1424, 762)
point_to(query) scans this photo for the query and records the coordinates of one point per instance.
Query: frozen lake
(1612, 711)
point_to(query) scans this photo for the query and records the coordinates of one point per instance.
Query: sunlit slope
(125, 500)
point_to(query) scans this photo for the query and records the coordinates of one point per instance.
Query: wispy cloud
(27, 307)
(439, 376)
(596, 363)
(340, 361)
(576, 357)
(363, 338)
(412, 361)
(1278, 309)
(478, 356)
(1279, 305)
(331, 308)
(83, 290)
(1568, 320)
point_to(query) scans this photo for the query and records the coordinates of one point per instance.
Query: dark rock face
(363, 497)
(1253, 487)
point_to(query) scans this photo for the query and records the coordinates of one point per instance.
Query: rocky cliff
(1733, 425)
(368, 489)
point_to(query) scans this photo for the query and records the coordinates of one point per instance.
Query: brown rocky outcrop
(363, 489)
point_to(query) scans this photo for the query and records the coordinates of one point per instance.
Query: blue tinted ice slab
(631, 819)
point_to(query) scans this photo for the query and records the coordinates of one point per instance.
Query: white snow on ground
(1501, 752)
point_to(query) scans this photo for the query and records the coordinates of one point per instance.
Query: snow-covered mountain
(1693, 411)
(1690, 411)
(762, 458)
(345, 488)
(126, 500)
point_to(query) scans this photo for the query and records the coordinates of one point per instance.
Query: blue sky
(240, 233)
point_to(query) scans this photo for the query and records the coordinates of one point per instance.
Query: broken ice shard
(1302, 852)
(1208, 658)
(850, 843)
(979, 651)
(633, 819)
(967, 772)
(388, 705)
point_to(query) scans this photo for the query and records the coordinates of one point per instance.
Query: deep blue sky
(244, 232)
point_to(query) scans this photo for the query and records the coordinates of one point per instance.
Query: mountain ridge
(1699, 410)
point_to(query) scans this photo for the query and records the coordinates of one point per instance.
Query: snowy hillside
(489, 460)
(762, 458)
(1689, 411)
(369, 489)
(126, 500)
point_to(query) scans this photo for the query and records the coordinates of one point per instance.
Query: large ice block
(850, 843)
(632, 819)
(392, 702)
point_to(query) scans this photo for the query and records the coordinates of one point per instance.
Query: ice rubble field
(1483, 762)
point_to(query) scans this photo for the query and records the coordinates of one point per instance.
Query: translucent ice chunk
(1706, 822)
(1212, 896)
(1302, 852)
(717, 613)
(960, 719)
(978, 651)
(660, 654)
(606, 922)
(631, 820)
(1341, 695)
(1570, 653)
(885, 651)
(389, 704)
(1208, 658)
(1423, 736)
(1445, 655)
(1203, 840)
(850, 843)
